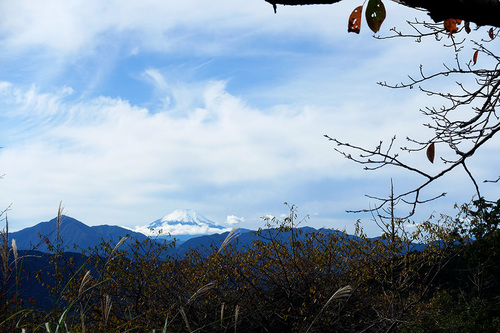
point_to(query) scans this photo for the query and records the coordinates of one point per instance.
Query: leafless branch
(478, 94)
(492, 181)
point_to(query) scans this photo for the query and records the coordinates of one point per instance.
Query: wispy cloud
(126, 158)
(121, 155)
(152, 25)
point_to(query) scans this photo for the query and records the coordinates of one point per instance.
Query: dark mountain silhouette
(72, 232)
(210, 243)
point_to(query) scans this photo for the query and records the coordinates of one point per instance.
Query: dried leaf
(474, 58)
(375, 14)
(354, 24)
(451, 25)
(431, 152)
(491, 33)
(467, 27)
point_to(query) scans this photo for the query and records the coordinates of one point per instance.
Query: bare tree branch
(466, 121)
(492, 181)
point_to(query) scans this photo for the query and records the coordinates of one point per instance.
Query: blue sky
(126, 111)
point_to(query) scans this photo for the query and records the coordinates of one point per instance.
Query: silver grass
(340, 293)
(86, 279)
(200, 291)
(183, 314)
(233, 234)
(14, 249)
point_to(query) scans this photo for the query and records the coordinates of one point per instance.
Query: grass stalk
(233, 234)
(200, 291)
(183, 314)
(222, 314)
(107, 308)
(340, 293)
(86, 279)
(236, 312)
(14, 250)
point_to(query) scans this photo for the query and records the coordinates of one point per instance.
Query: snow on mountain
(182, 222)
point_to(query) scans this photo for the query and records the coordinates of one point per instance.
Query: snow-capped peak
(185, 216)
(182, 222)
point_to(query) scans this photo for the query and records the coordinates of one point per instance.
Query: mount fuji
(181, 222)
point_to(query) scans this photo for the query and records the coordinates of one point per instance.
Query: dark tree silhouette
(481, 12)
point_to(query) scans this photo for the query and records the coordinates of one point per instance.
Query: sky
(125, 111)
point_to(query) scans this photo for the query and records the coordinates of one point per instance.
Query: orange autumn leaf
(474, 58)
(354, 24)
(451, 25)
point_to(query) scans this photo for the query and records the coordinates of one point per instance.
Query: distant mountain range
(76, 236)
(181, 224)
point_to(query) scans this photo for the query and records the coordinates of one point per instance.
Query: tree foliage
(416, 277)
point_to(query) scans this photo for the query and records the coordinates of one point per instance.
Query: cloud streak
(121, 155)
(127, 157)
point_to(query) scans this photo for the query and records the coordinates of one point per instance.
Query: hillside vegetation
(323, 282)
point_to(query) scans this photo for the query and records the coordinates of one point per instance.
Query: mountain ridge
(71, 231)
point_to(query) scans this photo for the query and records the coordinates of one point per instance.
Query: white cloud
(192, 140)
(110, 161)
(73, 26)
(233, 220)
(156, 79)
(78, 27)
(108, 151)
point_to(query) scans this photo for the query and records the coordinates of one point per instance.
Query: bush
(435, 278)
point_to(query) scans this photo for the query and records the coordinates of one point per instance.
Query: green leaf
(375, 14)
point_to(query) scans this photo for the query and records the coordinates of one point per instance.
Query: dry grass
(340, 293)
(233, 234)
(5, 251)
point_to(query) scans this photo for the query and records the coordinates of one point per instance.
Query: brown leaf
(451, 25)
(474, 58)
(354, 24)
(467, 27)
(431, 152)
(491, 33)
